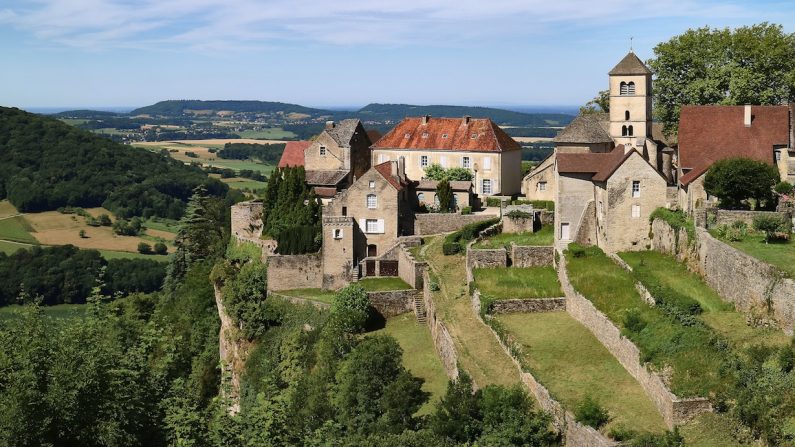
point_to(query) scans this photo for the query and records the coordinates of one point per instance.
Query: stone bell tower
(630, 102)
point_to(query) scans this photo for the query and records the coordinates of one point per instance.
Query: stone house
(337, 156)
(365, 220)
(477, 144)
(711, 133)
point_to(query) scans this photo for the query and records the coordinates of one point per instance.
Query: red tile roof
(601, 165)
(385, 169)
(325, 192)
(293, 154)
(454, 134)
(711, 133)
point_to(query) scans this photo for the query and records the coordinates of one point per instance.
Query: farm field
(274, 133)
(244, 183)
(207, 158)
(16, 229)
(419, 355)
(513, 282)
(566, 358)
(7, 209)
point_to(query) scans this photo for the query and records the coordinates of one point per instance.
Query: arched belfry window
(630, 131)
(631, 88)
(623, 88)
(626, 115)
(623, 131)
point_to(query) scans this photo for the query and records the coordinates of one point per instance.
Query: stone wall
(436, 223)
(300, 301)
(754, 287)
(233, 352)
(442, 340)
(517, 224)
(728, 217)
(246, 219)
(674, 410)
(485, 259)
(267, 246)
(527, 305)
(409, 269)
(287, 272)
(530, 256)
(392, 302)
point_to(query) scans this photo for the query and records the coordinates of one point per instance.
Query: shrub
(518, 214)
(784, 188)
(351, 309)
(91, 222)
(445, 194)
(104, 220)
(589, 412)
(160, 248)
(455, 242)
(493, 201)
(735, 180)
(82, 234)
(774, 227)
(633, 321)
(667, 439)
(622, 433)
(144, 248)
(466, 210)
(130, 227)
(191, 154)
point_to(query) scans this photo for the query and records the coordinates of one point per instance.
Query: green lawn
(509, 283)
(718, 314)
(711, 430)
(419, 355)
(324, 296)
(274, 133)
(111, 254)
(544, 236)
(565, 357)
(780, 254)
(7, 209)
(695, 362)
(16, 229)
(384, 283)
(238, 183)
(57, 312)
(9, 247)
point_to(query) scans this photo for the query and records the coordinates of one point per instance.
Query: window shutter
(495, 186)
(362, 225)
(380, 225)
(487, 163)
(443, 161)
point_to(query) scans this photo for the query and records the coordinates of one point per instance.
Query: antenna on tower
(630, 44)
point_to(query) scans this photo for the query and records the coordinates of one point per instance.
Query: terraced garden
(518, 283)
(383, 283)
(544, 236)
(778, 253)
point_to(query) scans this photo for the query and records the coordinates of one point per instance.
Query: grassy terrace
(324, 296)
(717, 314)
(509, 283)
(662, 339)
(565, 357)
(478, 351)
(383, 283)
(16, 229)
(779, 254)
(419, 355)
(544, 236)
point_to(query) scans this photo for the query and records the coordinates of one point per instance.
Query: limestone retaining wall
(287, 272)
(728, 217)
(392, 302)
(755, 288)
(527, 305)
(409, 269)
(531, 256)
(299, 301)
(246, 219)
(435, 223)
(518, 224)
(675, 410)
(442, 340)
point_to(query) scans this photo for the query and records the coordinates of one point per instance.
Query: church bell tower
(630, 102)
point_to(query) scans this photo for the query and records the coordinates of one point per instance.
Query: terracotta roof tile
(601, 165)
(711, 133)
(385, 169)
(293, 154)
(325, 192)
(448, 134)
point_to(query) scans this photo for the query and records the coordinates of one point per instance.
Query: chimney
(394, 168)
(329, 125)
(425, 119)
(465, 120)
(747, 115)
(401, 167)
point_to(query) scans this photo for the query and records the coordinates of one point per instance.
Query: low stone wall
(409, 269)
(287, 272)
(485, 259)
(728, 217)
(755, 288)
(246, 219)
(392, 302)
(442, 340)
(517, 224)
(527, 305)
(674, 410)
(435, 223)
(531, 256)
(299, 301)
(268, 246)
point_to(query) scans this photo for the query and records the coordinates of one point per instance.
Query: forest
(46, 164)
(265, 153)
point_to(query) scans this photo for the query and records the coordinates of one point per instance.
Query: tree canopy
(747, 65)
(735, 180)
(291, 212)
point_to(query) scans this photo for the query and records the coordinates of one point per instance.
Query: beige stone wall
(246, 219)
(528, 305)
(392, 302)
(409, 269)
(295, 272)
(517, 224)
(623, 231)
(574, 193)
(339, 255)
(544, 172)
(528, 256)
(638, 105)
(728, 217)
(442, 340)
(510, 177)
(336, 158)
(436, 223)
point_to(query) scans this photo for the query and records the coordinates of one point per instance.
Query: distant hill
(396, 112)
(46, 164)
(84, 114)
(180, 106)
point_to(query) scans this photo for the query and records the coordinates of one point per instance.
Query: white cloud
(225, 24)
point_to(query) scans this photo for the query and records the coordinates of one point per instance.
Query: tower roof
(630, 65)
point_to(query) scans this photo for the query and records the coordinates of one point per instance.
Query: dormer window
(444, 135)
(425, 135)
(323, 151)
(474, 136)
(407, 136)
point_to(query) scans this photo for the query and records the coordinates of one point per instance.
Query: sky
(332, 53)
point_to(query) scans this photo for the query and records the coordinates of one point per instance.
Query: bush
(455, 242)
(667, 439)
(466, 210)
(518, 214)
(104, 220)
(445, 194)
(160, 248)
(144, 248)
(450, 248)
(633, 321)
(735, 180)
(493, 201)
(82, 234)
(785, 188)
(191, 154)
(774, 227)
(130, 227)
(589, 412)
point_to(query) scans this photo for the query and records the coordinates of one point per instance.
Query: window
(425, 135)
(421, 197)
(423, 161)
(323, 150)
(630, 132)
(564, 231)
(636, 188)
(626, 115)
(337, 233)
(444, 135)
(623, 131)
(344, 210)
(372, 201)
(487, 163)
(623, 88)
(371, 225)
(542, 186)
(407, 136)
(631, 88)
(372, 184)
(486, 186)
(474, 136)
(466, 162)
(636, 211)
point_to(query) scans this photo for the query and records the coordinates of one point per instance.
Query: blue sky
(81, 53)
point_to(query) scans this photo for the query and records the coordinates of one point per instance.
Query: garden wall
(442, 340)
(527, 305)
(531, 256)
(728, 217)
(518, 224)
(753, 286)
(485, 259)
(409, 269)
(299, 301)
(287, 272)
(436, 223)
(246, 219)
(674, 410)
(392, 302)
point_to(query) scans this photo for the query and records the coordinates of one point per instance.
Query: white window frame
(424, 161)
(466, 162)
(374, 204)
(322, 150)
(542, 186)
(337, 233)
(371, 225)
(372, 184)
(635, 189)
(483, 184)
(635, 211)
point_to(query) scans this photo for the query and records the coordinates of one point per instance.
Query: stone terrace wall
(247, 219)
(409, 269)
(518, 224)
(392, 302)
(528, 305)
(295, 272)
(728, 217)
(753, 286)
(299, 301)
(674, 410)
(485, 258)
(530, 256)
(442, 340)
(435, 223)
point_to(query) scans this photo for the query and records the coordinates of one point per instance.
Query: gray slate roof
(630, 65)
(325, 178)
(343, 131)
(589, 128)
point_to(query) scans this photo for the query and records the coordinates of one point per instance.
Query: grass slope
(510, 283)
(16, 229)
(779, 254)
(544, 236)
(324, 296)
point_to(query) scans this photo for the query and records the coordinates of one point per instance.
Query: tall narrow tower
(630, 101)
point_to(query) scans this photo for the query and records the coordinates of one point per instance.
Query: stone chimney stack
(329, 125)
(465, 120)
(401, 167)
(425, 119)
(393, 165)
(747, 115)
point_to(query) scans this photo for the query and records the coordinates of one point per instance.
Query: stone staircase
(419, 308)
